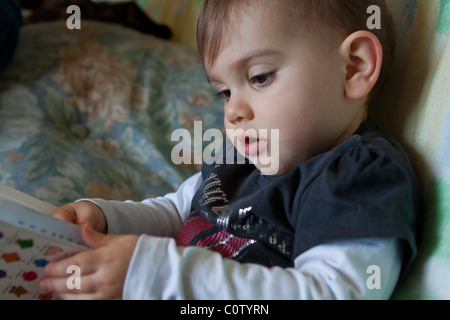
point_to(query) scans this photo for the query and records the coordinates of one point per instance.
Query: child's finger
(69, 285)
(66, 213)
(95, 239)
(54, 284)
(77, 296)
(83, 264)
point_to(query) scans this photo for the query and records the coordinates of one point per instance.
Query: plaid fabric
(198, 231)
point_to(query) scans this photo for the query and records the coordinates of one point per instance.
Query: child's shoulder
(367, 148)
(367, 184)
(368, 164)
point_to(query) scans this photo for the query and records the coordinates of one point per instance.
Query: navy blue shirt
(364, 188)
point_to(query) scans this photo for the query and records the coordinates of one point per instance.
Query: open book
(29, 239)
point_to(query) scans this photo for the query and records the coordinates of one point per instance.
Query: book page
(23, 256)
(13, 195)
(29, 239)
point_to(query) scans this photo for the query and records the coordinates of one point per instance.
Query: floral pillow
(90, 112)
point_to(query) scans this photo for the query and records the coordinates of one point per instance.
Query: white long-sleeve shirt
(357, 269)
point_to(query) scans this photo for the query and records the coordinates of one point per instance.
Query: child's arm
(146, 267)
(104, 269)
(160, 270)
(160, 216)
(156, 268)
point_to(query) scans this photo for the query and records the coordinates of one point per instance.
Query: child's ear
(363, 54)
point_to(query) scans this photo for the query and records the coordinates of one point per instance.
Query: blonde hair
(338, 17)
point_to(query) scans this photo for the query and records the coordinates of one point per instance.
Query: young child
(342, 204)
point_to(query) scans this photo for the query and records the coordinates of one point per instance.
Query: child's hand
(103, 270)
(83, 212)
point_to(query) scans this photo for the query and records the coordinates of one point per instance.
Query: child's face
(275, 77)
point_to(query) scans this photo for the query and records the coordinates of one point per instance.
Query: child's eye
(226, 94)
(262, 80)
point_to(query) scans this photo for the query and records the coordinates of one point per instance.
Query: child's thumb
(93, 238)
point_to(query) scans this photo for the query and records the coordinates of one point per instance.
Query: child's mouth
(252, 146)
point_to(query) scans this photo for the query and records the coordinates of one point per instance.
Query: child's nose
(238, 110)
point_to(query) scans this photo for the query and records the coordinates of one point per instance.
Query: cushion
(90, 113)
(415, 109)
